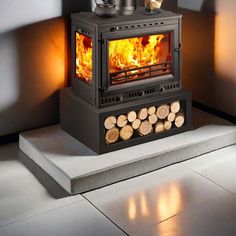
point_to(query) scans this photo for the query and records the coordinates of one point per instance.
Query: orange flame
(84, 58)
(136, 52)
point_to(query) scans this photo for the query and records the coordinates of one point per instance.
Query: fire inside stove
(138, 58)
(130, 59)
(84, 58)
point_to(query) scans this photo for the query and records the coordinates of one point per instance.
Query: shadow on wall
(36, 71)
(40, 61)
(72, 6)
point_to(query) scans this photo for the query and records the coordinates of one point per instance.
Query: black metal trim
(214, 111)
(10, 138)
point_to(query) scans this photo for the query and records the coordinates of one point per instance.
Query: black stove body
(105, 88)
(121, 65)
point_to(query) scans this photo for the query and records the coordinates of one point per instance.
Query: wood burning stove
(121, 66)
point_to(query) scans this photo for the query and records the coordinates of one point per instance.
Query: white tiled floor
(153, 198)
(196, 197)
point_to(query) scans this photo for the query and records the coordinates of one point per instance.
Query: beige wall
(209, 49)
(225, 56)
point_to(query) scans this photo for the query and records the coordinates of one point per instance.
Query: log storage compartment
(145, 121)
(127, 124)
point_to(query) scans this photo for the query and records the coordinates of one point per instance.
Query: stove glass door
(140, 58)
(84, 58)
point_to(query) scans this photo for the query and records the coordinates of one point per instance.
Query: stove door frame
(176, 55)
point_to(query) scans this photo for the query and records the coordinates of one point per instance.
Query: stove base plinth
(78, 169)
(87, 123)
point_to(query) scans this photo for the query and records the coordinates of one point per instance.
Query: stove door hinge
(179, 49)
(101, 90)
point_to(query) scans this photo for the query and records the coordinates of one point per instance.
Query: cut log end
(126, 132)
(122, 121)
(151, 110)
(153, 119)
(167, 125)
(110, 122)
(145, 128)
(179, 120)
(171, 117)
(159, 127)
(132, 116)
(136, 124)
(175, 107)
(163, 111)
(143, 114)
(112, 135)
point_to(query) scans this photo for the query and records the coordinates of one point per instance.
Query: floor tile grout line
(105, 215)
(207, 178)
(27, 217)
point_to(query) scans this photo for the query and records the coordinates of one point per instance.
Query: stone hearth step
(77, 169)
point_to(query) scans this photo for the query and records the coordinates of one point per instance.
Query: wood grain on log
(142, 114)
(171, 117)
(163, 111)
(136, 124)
(151, 110)
(126, 132)
(159, 127)
(180, 119)
(153, 119)
(110, 122)
(122, 121)
(175, 107)
(132, 116)
(167, 125)
(112, 135)
(145, 128)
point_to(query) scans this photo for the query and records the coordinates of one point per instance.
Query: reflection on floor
(196, 197)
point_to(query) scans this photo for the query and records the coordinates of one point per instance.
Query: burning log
(180, 119)
(145, 128)
(122, 121)
(171, 117)
(163, 111)
(151, 110)
(167, 125)
(136, 124)
(175, 107)
(132, 116)
(110, 122)
(126, 132)
(153, 119)
(159, 127)
(143, 114)
(112, 135)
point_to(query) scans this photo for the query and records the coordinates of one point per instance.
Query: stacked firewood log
(144, 122)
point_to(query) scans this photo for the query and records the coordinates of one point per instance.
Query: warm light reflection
(84, 58)
(144, 206)
(169, 201)
(132, 210)
(165, 203)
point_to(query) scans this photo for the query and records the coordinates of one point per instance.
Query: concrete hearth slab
(77, 169)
